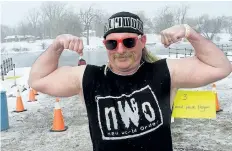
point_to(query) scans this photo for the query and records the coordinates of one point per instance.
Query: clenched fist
(174, 34)
(70, 42)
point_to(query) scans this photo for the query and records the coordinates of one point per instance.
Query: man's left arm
(209, 64)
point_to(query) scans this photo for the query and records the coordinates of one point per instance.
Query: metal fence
(6, 66)
(185, 52)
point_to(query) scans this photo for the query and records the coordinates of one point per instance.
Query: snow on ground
(29, 130)
(41, 45)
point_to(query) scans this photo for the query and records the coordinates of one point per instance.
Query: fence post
(2, 73)
(11, 67)
(185, 52)
(169, 51)
(4, 67)
(7, 69)
(14, 77)
(176, 53)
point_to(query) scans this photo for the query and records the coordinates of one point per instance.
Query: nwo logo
(129, 116)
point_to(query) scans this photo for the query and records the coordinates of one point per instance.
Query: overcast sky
(13, 12)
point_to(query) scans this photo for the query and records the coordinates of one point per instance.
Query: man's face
(124, 50)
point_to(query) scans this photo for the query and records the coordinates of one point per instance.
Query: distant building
(18, 38)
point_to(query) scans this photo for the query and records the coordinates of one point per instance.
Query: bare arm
(46, 77)
(209, 65)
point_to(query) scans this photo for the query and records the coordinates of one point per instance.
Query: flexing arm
(46, 77)
(208, 65)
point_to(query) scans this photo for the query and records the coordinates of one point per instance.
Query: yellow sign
(12, 77)
(194, 104)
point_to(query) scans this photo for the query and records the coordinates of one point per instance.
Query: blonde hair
(147, 56)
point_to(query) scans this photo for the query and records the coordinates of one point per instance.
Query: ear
(144, 40)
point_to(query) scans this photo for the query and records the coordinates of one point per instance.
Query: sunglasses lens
(111, 44)
(129, 42)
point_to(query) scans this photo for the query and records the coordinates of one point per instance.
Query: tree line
(54, 18)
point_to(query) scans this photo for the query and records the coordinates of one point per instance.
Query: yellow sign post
(194, 104)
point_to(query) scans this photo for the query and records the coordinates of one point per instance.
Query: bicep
(63, 82)
(191, 73)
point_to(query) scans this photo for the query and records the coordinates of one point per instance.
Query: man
(128, 100)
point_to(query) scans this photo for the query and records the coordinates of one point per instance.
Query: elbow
(34, 84)
(225, 72)
(228, 70)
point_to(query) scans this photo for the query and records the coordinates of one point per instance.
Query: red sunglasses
(128, 42)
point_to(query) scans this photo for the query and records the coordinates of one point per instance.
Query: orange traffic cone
(35, 92)
(58, 121)
(19, 103)
(31, 96)
(218, 109)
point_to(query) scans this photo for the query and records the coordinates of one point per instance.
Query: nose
(121, 48)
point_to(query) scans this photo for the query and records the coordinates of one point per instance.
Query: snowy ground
(29, 130)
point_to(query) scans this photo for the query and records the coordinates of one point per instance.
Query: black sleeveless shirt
(129, 113)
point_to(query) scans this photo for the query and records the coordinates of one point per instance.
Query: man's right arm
(46, 77)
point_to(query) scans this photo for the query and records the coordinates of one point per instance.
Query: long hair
(147, 56)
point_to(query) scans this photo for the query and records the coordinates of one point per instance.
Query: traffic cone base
(20, 111)
(219, 110)
(32, 101)
(65, 128)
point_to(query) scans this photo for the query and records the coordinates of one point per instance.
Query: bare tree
(209, 27)
(181, 14)
(33, 18)
(43, 26)
(99, 22)
(54, 11)
(23, 28)
(71, 24)
(87, 17)
(227, 24)
(147, 22)
(165, 19)
(5, 31)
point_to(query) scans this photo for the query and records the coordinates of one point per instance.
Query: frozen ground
(29, 130)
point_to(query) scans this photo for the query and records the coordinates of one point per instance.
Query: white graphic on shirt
(107, 112)
(128, 116)
(127, 113)
(148, 117)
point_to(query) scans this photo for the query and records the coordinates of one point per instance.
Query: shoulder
(92, 72)
(93, 69)
(159, 65)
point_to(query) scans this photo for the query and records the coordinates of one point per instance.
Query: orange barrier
(31, 96)
(19, 103)
(218, 109)
(58, 121)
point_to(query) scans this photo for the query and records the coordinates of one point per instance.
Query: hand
(172, 35)
(70, 42)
